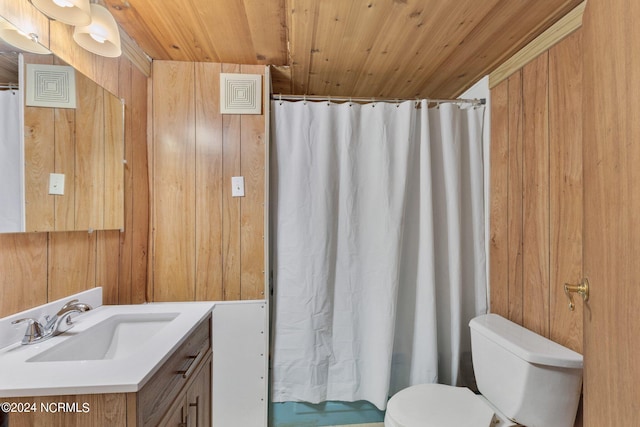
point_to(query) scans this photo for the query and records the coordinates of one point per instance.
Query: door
(611, 161)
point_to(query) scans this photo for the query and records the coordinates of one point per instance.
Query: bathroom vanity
(155, 371)
(182, 385)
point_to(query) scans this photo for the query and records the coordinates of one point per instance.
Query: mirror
(63, 169)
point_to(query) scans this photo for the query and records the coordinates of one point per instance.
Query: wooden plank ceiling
(367, 48)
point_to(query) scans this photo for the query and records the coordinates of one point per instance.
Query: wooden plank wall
(612, 237)
(536, 193)
(38, 267)
(206, 245)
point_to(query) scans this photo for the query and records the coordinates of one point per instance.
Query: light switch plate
(56, 184)
(237, 186)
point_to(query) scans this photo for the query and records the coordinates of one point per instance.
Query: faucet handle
(34, 332)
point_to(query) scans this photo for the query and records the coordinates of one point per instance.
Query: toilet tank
(530, 379)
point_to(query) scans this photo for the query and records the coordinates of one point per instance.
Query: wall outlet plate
(56, 184)
(237, 186)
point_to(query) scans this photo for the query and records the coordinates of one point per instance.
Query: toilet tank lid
(524, 343)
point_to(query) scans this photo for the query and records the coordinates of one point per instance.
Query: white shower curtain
(379, 259)
(11, 163)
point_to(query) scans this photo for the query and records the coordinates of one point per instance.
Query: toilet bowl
(524, 378)
(440, 405)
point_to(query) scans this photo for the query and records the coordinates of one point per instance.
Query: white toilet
(525, 379)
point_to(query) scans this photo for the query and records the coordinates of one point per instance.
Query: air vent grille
(240, 93)
(50, 86)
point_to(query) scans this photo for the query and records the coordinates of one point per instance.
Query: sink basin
(111, 349)
(115, 337)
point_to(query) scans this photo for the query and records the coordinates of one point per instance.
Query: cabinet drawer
(159, 393)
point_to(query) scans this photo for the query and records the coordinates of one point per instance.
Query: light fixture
(72, 12)
(20, 39)
(102, 35)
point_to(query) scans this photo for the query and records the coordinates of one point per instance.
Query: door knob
(581, 289)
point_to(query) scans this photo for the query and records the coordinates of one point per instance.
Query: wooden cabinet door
(177, 416)
(199, 398)
(192, 407)
(611, 205)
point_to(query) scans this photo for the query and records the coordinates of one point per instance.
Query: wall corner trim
(135, 54)
(561, 29)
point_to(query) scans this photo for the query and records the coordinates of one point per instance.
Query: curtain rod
(280, 97)
(9, 86)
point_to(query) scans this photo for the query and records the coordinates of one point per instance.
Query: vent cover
(51, 86)
(240, 93)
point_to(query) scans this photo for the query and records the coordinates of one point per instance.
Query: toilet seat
(437, 405)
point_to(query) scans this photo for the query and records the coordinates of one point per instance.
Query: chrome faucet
(61, 322)
(55, 325)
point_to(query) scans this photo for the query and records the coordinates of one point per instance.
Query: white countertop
(19, 378)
